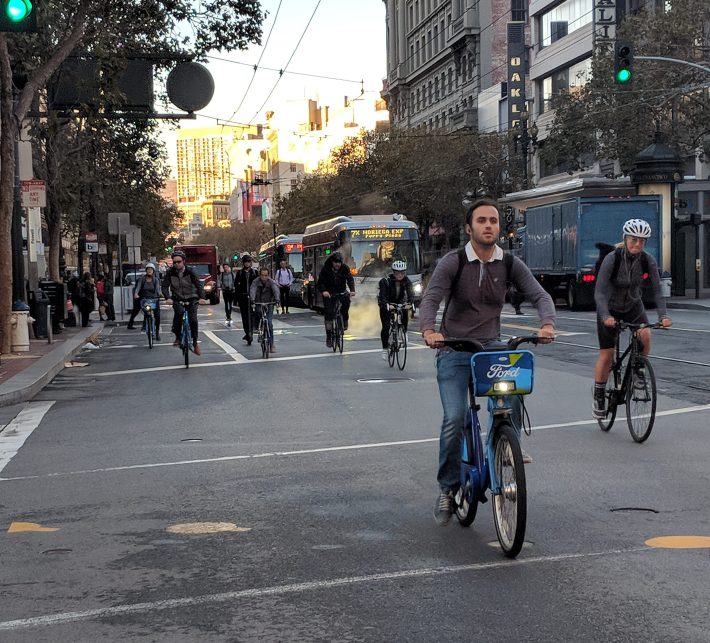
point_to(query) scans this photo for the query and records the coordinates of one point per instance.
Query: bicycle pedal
(482, 498)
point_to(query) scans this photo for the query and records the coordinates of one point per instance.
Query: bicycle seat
(465, 344)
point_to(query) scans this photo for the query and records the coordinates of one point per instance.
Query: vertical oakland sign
(516, 73)
(604, 23)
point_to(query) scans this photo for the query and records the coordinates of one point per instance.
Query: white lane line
(297, 588)
(658, 357)
(227, 348)
(260, 360)
(276, 454)
(13, 436)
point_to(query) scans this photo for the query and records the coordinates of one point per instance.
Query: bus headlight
(418, 289)
(208, 287)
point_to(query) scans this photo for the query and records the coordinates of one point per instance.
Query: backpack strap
(461, 255)
(508, 260)
(617, 262)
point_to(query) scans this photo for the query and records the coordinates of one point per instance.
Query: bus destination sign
(293, 247)
(379, 233)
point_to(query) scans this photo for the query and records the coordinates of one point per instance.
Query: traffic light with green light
(235, 257)
(623, 62)
(169, 247)
(18, 16)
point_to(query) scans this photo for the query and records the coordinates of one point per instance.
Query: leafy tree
(603, 120)
(239, 237)
(100, 27)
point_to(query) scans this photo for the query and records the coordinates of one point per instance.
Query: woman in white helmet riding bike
(395, 289)
(618, 296)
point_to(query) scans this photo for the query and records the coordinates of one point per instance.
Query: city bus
(369, 244)
(289, 247)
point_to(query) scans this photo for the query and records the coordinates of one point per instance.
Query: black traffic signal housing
(623, 62)
(18, 16)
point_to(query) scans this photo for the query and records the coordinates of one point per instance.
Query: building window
(418, 100)
(442, 36)
(293, 167)
(294, 183)
(436, 39)
(518, 10)
(570, 79)
(470, 66)
(429, 94)
(411, 17)
(564, 19)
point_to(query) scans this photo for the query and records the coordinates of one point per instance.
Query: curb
(26, 384)
(686, 306)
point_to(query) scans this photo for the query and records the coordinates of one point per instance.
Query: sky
(345, 40)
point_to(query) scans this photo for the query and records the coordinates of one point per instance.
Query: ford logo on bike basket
(503, 372)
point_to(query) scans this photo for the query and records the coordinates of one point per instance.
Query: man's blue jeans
(453, 372)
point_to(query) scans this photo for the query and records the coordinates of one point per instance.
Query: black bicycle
(338, 324)
(631, 382)
(397, 341)
(266, 339)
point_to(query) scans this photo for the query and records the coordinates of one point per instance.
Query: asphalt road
(320, 477)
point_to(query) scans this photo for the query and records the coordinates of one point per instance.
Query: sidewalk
(688, 303)
(23, 375)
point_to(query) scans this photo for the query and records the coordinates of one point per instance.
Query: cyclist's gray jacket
(476, 304)
(182, 285)
(263, 293)
(624, 293)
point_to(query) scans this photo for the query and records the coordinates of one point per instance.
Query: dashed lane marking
(227, 348)
(658, 357)
(347, 447)
(299, 588)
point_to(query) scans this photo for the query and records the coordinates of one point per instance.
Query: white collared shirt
(472, 256)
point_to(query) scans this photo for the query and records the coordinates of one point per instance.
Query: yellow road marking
(680, 542)
(17, 527)
(205, 528)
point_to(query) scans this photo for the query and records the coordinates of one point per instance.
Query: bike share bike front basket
(503, 373)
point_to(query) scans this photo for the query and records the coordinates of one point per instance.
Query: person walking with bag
(226, 285)
(284, 279)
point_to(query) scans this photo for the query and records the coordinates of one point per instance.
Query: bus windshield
(200, 269)
(373, 258)
(295, 260)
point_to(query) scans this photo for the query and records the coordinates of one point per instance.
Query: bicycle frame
(633, 350)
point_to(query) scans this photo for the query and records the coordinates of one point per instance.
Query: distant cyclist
(148, 287)
(182, 288)
(395, 289)
(335, 277)
(619, 298)
(265, 290)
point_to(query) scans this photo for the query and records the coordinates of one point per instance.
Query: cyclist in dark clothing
(395, 289)
(242, 284)
(147, 287)
(334, 278)
(182, 285)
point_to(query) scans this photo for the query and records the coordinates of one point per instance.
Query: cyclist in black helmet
(183, 289)
(335, 277)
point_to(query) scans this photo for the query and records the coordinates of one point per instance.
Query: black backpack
(617, 262)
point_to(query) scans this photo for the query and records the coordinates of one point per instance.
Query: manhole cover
(191, 440)
(57, 551)
(648, 509)
(384, 380)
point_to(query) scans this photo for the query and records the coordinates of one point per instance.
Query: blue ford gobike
(498, 372)
(148, 306)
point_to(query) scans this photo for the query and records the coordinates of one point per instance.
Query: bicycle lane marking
(276, 454)
(227, 348)
(298, 588)
(14, 435)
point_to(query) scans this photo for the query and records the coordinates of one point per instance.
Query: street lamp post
(527, 137)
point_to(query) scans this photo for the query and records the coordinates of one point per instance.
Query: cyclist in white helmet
(618, 295)
(395, 289)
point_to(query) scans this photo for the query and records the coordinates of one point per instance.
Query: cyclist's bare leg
(604, 361)
(645, 336)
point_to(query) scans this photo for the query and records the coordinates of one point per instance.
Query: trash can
(42, 314)
(20, 331)
(665, 285)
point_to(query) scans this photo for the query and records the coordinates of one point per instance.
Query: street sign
(34, 194)
(92, 247)
(91, 237)
(118, 222)
(102, 249)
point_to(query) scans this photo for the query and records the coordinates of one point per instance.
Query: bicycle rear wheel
(401, 347)
(510, 504)
(149, 330)
(612, 401)
(641, 400)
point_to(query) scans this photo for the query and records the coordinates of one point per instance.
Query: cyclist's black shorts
(607, 336)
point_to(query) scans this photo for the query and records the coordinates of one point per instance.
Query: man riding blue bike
(472, 281)
(182, 288)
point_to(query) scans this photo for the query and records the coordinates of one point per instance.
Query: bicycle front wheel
(340, 335)
(401, 347)
(186, 354)
(392, 348)
(641, 400)
(510, 503)
(149, 330)
(265, 343)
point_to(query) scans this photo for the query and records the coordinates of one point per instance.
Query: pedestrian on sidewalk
(73, 290)
(87, 291)
(284, 279)
(225, 282)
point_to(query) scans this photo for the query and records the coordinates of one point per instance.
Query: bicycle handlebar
(622, 325)
(470, 345)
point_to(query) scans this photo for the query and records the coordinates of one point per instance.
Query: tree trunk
(8, 131)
